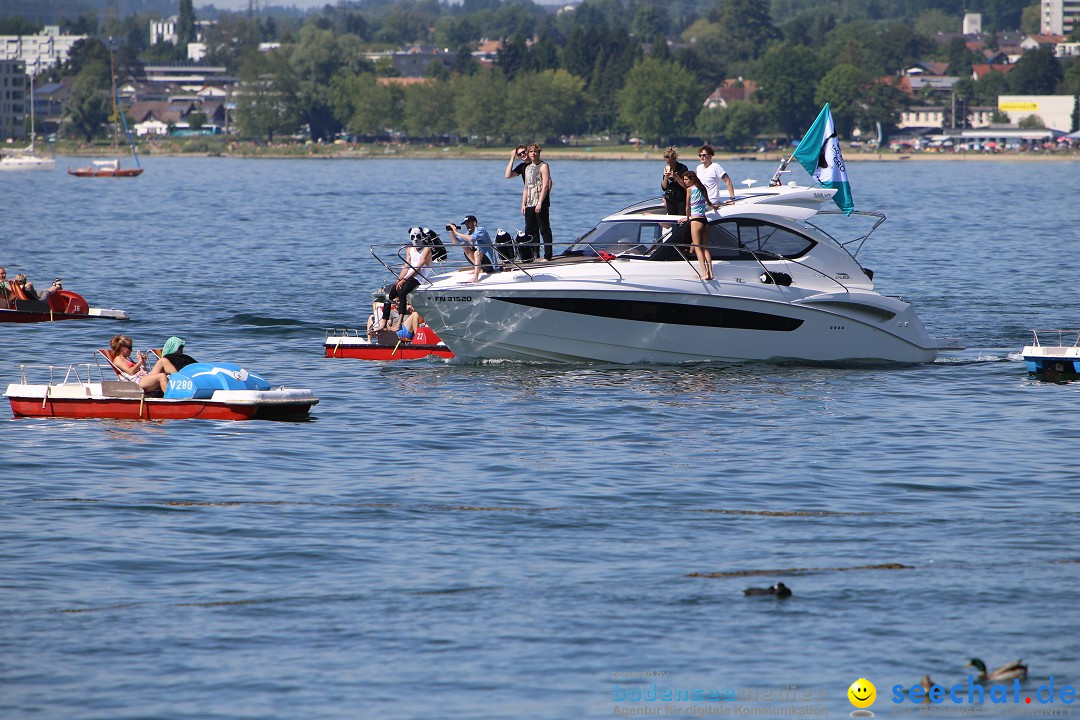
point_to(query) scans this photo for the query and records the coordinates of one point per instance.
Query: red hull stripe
(21, 316)
(385, 352)
(151, 409)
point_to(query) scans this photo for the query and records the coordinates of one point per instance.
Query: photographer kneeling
(479, 248)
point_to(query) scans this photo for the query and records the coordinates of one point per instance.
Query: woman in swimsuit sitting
(121, 358)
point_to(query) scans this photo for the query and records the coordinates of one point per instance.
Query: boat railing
(600, 256)
(345, 333)
(861, 239)
(81, 372)
(1062, 336)
(597, 256)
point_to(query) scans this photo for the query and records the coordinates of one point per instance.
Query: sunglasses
(703, 155)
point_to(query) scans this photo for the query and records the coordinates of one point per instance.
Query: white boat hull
(16, 163)
(778, 326)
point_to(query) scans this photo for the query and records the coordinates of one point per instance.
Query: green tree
(511, 56)
(649, 21)
(989, 86)
(735, 126)
(185, 25)
(844, 88)
(266, 96)
(89, 51)
(429, 109)
(708, 60)
(232, 39)
(787, 78)
(89, 105)
(959, 56)
(659, 100)
(562, 110)
(318, 56)
(746, 29)
(543, 55)
(935, 20)
(18, 26)
(1031, 122)
(1029, 20)
(1037, 72)
(364, 105)
(480, 105)
(1071, 79)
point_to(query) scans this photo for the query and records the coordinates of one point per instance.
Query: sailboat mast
(112, 77)
(33, 128)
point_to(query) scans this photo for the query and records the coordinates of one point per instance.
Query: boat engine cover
(199, 380)
(69, 303)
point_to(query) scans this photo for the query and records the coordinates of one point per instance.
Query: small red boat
(61, 305)
(105, 168)
(205, 391)
(386, 346)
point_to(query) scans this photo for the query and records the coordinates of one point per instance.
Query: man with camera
(479, 248)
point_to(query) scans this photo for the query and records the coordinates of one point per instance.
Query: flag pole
(774, 181)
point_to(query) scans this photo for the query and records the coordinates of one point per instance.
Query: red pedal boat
(207, 391)
(342, 343)
(61, 305)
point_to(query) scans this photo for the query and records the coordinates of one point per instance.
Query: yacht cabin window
(762, 238)
(620, 237)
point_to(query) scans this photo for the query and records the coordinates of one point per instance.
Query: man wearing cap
(479, 248)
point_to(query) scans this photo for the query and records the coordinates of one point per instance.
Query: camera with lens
(451, 226)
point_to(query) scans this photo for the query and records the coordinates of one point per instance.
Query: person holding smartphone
(671, 183)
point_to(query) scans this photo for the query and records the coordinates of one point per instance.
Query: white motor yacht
(628, 291)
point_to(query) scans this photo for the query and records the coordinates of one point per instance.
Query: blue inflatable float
(198, 381)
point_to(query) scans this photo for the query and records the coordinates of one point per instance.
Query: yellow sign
(1030, 106)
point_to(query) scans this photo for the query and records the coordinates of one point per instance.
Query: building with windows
(12, 99)
(38, 52)
(1058, 17)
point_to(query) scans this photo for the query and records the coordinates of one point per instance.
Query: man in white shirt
(712, 175)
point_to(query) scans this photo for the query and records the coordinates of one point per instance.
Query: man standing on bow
(712, 176)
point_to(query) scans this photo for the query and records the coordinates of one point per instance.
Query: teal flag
(819, 154)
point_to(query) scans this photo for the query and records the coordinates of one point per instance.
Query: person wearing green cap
(172, 359)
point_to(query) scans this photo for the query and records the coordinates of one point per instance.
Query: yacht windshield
(621, 237)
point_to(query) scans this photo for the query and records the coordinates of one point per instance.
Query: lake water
(510, 540)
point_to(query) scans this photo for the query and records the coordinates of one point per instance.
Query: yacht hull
(665, 327)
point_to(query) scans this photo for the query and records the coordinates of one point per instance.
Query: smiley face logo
(862, 693)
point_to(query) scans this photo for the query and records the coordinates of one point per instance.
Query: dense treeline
(625, 67)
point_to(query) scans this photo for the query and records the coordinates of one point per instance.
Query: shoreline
(329, 152)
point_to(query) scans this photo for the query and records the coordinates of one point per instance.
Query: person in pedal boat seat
(375, 321)
(409, 324)
(121, 358)
(31, 293)
(172, 359)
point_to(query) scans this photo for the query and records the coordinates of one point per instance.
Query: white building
(38, 52)
(164, 30)
(973, 23)
(1058, 17)
(1055, 110)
